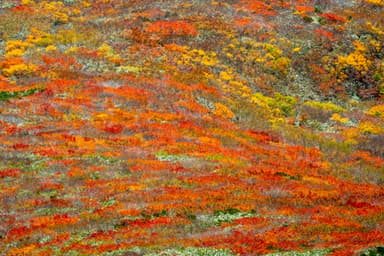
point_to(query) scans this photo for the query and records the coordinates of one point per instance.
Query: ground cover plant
(237, 127)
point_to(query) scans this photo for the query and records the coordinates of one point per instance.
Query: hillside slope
(239, 127)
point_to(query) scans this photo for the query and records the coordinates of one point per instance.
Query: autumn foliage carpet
(191, 127)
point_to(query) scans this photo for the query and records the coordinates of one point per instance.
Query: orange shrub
(167, 28)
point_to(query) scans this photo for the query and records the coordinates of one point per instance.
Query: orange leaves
(192, 106)
(242, 22)
(259, 7)
(223, 111)
(130, 93)
(304, 9)
(63, 62)
(264, 136)
(141, 139)
(204, 88)
(168, 28)
(140, 165)
(159, 117)
(76, 172)
(175, 47)
(62, 219)
(363, 156)
(21, 251)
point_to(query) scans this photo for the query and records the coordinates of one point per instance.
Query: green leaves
(5, 96)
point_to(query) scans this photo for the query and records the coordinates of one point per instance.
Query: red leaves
(20, 146)
(251, 221)
(21, 9)
(113, 128)
(143, 223)
(50, 186)
(333, 17)
(101, 235)
(18, 232)
(62, 62)
(14, 172)
(358, 204)
(167, 28)
(264, 136)
(137, 125)
(327, 34)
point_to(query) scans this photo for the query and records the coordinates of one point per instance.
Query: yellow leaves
(229, 55)
(198, 56)
(86, 4)
(359, 47)
(14, 53)
(129, 69)
(71, 50)
(376, 2)
(336, 117)
(324, 106)
(375, 29)
(56, 8)
(356, 59)
(105, 49)
(231, 85)
(16, 44)
(375, 44)
(367, 127)
(281, 64)
(273, 50)
(16, 48)
(377, 111)
(40, 38)
(27, 2)
(207, 61)
(225, 76)
(50, 48)
(297, 49)
(19, 69)
(51, 6)
(68, 36)
(61, 17)
(102, 116)
(277, 105)
(223, 111)
(232, 46)
(261, 100)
